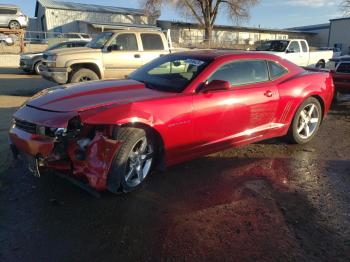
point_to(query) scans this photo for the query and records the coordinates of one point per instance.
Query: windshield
(171, 73)
(275, 46)
(100, 40)
(55, 46)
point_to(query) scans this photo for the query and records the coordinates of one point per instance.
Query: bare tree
(206, 11)
(345, 6)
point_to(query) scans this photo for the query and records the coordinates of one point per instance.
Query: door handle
(137, 56)
(268, 93)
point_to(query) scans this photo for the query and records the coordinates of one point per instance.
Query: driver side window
(242, 72)
(125, 42)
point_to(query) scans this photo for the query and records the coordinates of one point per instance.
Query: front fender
(96, 62)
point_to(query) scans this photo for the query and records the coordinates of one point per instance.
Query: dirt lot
(264, 202)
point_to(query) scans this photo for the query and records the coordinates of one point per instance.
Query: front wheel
(306, 121)
(83, 75)
(133, 162)
(37, 67)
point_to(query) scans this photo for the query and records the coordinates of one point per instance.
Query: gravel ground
(269, 201)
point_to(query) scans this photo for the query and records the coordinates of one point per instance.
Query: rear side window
(344, 68)
(294, 47)
(303, 46)
(8, 11)
(242, 72)
(276, 70)
(152, 42)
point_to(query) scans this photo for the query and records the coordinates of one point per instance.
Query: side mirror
(114, 48)
(216, 85)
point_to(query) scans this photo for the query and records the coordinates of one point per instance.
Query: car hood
(73, 51)
(31, 54)
(90, 95)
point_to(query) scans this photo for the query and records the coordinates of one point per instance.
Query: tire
(306, 122)
(129, 168)
(336, 97)
(83, 75)
(37, 67)
(14, 25)
(321, 64)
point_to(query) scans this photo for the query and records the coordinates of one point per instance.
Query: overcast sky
(268, 13)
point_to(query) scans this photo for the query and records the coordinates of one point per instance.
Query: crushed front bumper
(58, 75)
(90, 164)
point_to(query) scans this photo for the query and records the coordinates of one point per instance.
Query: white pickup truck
(296, 51)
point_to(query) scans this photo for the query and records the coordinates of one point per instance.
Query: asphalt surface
(269, 201)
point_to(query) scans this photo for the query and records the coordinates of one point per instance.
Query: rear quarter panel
(296, 89)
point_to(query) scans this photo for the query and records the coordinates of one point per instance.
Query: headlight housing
(51, 60)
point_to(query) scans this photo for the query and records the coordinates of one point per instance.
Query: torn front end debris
(60, 141)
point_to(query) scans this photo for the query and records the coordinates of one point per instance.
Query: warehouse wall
(339, 34)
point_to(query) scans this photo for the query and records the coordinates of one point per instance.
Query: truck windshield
(100, 40)
(171, 73)
(274, 46)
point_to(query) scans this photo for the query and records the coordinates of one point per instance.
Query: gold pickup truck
(112, 54)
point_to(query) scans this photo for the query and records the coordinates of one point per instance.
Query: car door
(240, 114)
(294, 53)
(122, 56)
(152, 46)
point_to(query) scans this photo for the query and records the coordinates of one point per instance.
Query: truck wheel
(133, 162)
(83, 75)
(321, 64)
(306, 121)
(14, 25)
(37, 67)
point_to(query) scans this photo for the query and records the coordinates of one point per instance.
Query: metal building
(62, 17)
(339, 34)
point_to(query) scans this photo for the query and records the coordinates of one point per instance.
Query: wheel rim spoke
(314, 120)
(303, 115)
(307, 130)
(143, 145)
(301, 128)
(130, 173)
(312, 108)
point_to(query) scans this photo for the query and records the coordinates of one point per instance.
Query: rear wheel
(306, 121)
(83, 75)
(321, 64)
(14, 25)
(133, 162)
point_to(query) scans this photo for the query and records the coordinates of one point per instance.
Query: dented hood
(94, 94)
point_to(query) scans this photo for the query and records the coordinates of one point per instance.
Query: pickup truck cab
(296, 51)
(112, 54)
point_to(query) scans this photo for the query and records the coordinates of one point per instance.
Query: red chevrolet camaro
(110, 134)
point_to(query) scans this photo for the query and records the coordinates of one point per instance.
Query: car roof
(213, 54)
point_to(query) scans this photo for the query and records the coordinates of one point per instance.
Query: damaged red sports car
(111, 134)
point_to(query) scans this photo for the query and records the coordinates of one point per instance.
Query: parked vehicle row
(32, 62)
(110, 134)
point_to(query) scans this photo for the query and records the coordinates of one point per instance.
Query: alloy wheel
(139, 162)
(308, 121)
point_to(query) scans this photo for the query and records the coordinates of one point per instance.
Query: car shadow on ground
(212, 207)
